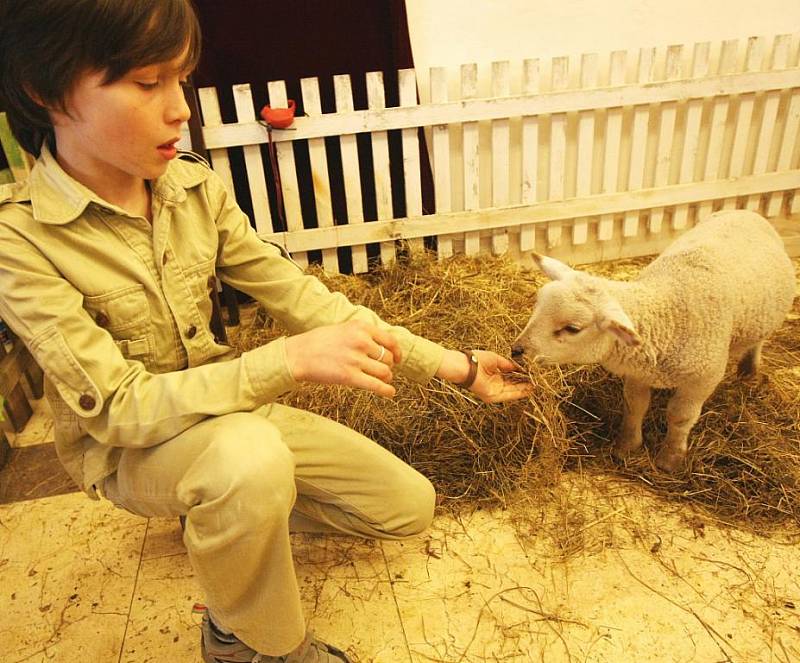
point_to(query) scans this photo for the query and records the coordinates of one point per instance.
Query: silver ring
(382, 352)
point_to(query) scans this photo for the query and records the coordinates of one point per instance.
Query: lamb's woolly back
(724, 285)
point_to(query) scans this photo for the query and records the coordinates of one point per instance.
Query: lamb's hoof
(620, 454)
(671, 461)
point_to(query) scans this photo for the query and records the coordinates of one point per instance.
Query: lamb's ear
(614, 319)
(554, 269)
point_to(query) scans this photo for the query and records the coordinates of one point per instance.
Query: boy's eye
(147, 85)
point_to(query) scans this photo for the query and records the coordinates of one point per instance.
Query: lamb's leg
(750, 361)
(683, 411)
(637, 399)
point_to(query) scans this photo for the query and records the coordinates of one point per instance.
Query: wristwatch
(473, 370)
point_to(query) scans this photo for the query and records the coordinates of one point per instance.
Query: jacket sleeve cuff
(268, 371)
(421, 359)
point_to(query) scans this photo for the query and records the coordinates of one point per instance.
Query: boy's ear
(34, 97)
(554, 269)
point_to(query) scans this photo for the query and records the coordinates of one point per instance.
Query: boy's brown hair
(46, 45)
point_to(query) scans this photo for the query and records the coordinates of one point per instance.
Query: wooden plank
(530, 152)
(586, 125)
(514, 216)
(287, 168)
(718, 122)
(694, 110)
(441, 159)
(605, 228)
(320, 177)
(256, 180)
(770, 121)
(768, 117)
(666, 135)
(471, 156)
(212, 117)
(437, 113)
(351, 172)
(791, 132)
(558, 149)
(501, 87)
(744, 120)
(376, 100)
(412, 173)
(641, 115)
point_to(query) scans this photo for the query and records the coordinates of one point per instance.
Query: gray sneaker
(215, 650)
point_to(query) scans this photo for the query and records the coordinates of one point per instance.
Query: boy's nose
(178, 111)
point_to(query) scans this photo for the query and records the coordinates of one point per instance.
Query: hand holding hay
(492, 382)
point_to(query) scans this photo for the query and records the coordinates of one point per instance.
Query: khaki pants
(243, 481)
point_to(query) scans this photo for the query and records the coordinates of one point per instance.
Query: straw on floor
(745, 450)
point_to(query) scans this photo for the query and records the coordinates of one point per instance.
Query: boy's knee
(247, 467)
(419, 503)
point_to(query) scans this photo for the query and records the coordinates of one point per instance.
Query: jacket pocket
(125, 314)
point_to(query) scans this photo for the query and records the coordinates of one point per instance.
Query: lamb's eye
(569, 329)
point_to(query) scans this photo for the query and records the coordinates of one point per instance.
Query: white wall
(451, 32)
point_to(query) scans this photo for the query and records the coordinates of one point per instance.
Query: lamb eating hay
(714, 294)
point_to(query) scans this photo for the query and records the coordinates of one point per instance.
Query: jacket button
(191, 332)
(87, 402)
(102, 320)
(212, 282)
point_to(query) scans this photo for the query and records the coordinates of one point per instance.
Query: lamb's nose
(517, 352)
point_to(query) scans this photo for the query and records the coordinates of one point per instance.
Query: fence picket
(673, 68)
(407, 83)
(256, 181)
(343, 93)
(288, 172)
(586, 124)
(718, 122)
(376, 100)
(320, 177)
(694, 110)
(605, 228)
(558, 149)
(530, 153)
(501, 87)
(769, 118)
(641, 116)
(441, 159)
(471, 156)
(744, 120)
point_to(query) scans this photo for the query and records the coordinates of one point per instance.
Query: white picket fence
(587, 158)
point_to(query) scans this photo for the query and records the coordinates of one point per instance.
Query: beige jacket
(116, 311)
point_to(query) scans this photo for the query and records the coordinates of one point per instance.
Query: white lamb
(714, 294)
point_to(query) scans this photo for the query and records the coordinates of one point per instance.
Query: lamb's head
(575, 320)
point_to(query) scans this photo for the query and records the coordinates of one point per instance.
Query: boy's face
(123, 132)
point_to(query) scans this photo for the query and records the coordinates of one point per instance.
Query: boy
(107, 255)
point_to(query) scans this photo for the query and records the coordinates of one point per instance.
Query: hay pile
(745, 451)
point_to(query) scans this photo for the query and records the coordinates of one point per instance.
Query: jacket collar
(57, 198)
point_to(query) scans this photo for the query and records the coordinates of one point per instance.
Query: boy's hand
(493, 383)
(354, 354)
